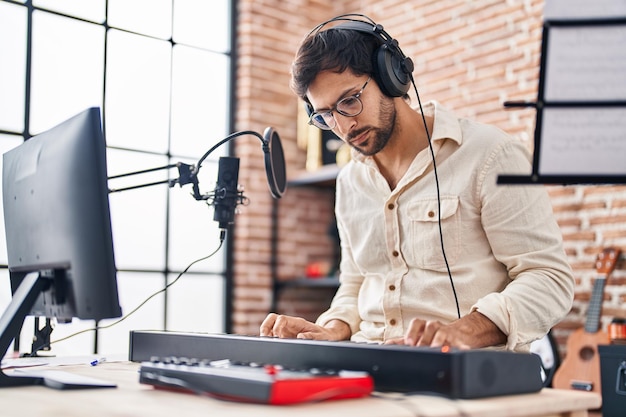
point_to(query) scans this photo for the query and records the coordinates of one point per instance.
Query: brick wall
(469, 55)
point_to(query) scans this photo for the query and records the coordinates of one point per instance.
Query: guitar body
(580, 369)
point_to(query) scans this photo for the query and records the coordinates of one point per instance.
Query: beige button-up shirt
(501, 242)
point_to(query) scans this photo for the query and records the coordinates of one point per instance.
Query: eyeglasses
(348, 106)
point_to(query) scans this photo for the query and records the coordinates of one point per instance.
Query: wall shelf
(322, 177)
(328, 282)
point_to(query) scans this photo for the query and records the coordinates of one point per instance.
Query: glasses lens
(350, 106)
(324, 120)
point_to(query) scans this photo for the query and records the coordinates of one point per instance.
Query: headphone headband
(392, 69)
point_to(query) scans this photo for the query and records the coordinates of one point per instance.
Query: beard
(379, 135)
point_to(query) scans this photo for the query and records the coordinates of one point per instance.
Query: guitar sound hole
(587, 353)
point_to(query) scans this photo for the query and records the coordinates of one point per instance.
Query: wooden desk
(131, 399)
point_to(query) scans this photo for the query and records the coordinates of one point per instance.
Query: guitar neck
(592, 325)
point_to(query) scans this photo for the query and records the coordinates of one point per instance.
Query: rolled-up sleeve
(437, 247)
(524, 236)
(344, 306)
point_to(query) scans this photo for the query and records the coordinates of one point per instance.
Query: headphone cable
(352, 17)
(432, 154)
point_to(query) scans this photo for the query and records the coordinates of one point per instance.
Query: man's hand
(470, 332)
(276, 325)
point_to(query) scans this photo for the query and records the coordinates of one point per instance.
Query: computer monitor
(58, 229)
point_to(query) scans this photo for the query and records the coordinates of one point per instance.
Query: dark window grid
(227, 274)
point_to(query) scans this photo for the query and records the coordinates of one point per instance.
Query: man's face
(369, 131)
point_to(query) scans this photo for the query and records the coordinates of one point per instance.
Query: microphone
(226, 195)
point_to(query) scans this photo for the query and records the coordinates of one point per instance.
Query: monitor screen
(58, 225)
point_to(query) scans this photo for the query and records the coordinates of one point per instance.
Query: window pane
(134, 288)
(192, 25)
(138, 92)
(138, 216)
(193, 233)
(164, 97)
(13, 68)
(189, 310)
(81, 344)
(7, 142)
(200, 101)
(68, 59)
(148, 17)
(93, 10)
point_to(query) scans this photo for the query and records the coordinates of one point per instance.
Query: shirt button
(431, 214)
(392, 287)
(392, 322)
(391, 206)
(395, 253)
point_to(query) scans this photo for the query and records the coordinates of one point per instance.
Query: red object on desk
(268, 384)
(292, 391)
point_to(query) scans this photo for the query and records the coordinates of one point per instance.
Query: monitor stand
(12, 319)
(41, 339)
(11, 322)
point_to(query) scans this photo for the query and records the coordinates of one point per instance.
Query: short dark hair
(332, 50)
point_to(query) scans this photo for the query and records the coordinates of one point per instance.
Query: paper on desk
(13, 363)
(65, 380)
(28, 362)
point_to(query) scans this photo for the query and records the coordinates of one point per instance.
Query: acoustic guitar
(580, 370)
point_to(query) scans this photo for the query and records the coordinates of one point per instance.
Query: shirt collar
(445, 126)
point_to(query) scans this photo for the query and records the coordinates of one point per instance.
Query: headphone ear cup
(392, 72)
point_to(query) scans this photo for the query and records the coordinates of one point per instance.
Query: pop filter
(274, 162)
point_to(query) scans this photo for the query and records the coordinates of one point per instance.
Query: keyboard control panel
(254, 382)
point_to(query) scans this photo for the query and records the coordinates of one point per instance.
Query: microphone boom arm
(188, 174)
(184, 172)
(226, 139)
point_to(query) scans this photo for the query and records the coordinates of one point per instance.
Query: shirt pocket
(425, 241)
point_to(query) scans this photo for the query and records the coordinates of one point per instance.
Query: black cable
(352, 17)
(432, 153)
(222, 237)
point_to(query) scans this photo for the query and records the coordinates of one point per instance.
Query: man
(433, 251)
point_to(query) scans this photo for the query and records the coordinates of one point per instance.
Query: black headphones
(392, 69)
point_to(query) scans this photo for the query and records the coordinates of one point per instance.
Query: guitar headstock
(607, 259)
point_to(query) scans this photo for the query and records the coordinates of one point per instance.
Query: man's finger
(268, 325)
